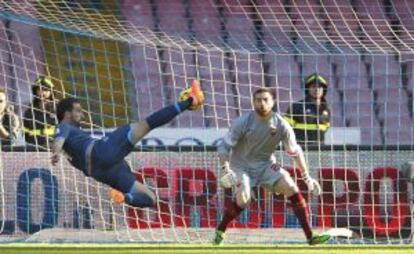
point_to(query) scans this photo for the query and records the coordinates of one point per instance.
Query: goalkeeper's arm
(300, 161)
(228, 177)
(294, 150)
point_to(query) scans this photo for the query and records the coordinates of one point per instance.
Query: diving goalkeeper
(247, 159)
(103, 159)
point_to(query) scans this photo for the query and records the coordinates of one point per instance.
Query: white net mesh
(126, 59)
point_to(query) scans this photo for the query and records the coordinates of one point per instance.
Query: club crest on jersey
(272, 130)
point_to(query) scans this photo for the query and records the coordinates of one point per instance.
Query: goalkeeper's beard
(263, 112)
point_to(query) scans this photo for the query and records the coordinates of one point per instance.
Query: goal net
(126, 59)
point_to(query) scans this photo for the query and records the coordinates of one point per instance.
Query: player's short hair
(65, 105)
(264, 90)
(2, 90)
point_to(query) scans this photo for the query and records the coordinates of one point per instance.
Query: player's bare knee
(286, 185)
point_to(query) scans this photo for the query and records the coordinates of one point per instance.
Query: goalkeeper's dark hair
(65, 105)
(264, 90)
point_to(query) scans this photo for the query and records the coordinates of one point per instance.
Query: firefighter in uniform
(310, 117)
(9, 121)
(39, 119)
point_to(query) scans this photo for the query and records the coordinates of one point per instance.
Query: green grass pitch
(173, 249)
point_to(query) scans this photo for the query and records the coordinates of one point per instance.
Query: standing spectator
(39, 120)
(9, 121)
(310, 117)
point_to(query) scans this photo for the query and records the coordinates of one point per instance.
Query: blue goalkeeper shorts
(107, 159)
(119, 176)
(111, 149)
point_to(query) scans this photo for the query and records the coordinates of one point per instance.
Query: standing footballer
(247, 159)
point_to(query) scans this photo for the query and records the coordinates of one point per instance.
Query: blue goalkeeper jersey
(75, 144)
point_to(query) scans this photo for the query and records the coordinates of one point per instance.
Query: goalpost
(126, 59)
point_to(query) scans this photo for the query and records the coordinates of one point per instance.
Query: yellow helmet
(316, 78)
(44, 82)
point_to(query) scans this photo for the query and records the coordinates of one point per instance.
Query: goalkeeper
(246, 156)
(103, 159)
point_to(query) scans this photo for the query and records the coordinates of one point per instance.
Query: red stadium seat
(239, 28)
(206, 22)
(383, 64)
(359, 113)
(398, 137)
(358, 95)
(377, 33)
(381, 81)
(284, 65)
(351, 65)
(212, 65)
(173, 25)
(290, 83)
(319, 64)
(277, 25)
(403, 12)
(391, 94)
(138, 13)
(396, 122)
(353, 82)
(371, 135)
(342, 25)
(394, 108)
(179, 63)
(144, 60)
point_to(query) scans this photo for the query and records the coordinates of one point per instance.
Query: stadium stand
(272, 26)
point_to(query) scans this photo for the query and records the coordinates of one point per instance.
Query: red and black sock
(231, 211)
(301, 211)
